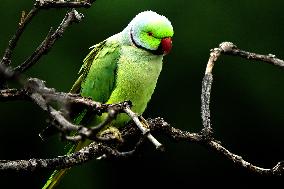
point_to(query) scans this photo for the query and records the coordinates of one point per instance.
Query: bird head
(152, 32)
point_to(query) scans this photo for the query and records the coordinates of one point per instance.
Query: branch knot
(227, 46)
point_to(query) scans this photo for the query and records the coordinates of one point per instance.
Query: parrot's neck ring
(158, 51)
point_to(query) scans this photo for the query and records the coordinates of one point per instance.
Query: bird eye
(150, 33)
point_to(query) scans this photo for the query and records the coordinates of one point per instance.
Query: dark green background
(247, 97)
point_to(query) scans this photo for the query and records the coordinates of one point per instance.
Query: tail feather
(54, 179)
(57, 175)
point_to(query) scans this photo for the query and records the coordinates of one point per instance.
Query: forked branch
(34, 90)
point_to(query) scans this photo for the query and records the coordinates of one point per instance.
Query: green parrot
(125, 66)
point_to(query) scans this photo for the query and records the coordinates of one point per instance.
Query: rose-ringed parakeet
(125, 66)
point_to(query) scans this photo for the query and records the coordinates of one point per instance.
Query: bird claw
(110, 134)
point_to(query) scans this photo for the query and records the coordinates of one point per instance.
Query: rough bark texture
(35, 90)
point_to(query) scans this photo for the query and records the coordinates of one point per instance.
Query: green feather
(102, 60)
(98, 71)
(116, 70)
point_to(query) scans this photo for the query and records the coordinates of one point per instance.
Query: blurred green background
(247, 97)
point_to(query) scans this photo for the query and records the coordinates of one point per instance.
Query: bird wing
(97, 74)
(96, 80)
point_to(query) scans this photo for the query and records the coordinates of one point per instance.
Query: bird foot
(110, 134)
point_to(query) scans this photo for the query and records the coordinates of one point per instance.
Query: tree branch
(71, 17)
(92, 151)
(228, 48)
(96, 150)
(158, 125)
(46, 4)
(26, 19)
(12, 94)
(6, 60)
(145, 131)
(278, 169)
(35, 90)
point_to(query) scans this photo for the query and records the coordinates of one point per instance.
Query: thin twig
(95, 150)
(270, 58)
(158, 124)
(6, 73)
(26, 19)
(6, 60)
(145, 131)
(71, 17)
(35, 88)
(12, 94)
(92, 151)
(47, 4)
(229, 48)
(36, 91)
(278, 169)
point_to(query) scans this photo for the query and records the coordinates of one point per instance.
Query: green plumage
(98, 71)
(122, 68)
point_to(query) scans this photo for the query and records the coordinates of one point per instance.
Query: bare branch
(38, 92)
(51, 38)
(71, 17)
(12, 94)
(229, 48)
(26, 19)
(5, 74)
(46, 4)
(278, 169)
(95, 150)
(270, 58)
(205, 101)
(145, 131)
(92, 151)
(158, 124)
(6, 60)
(35, 90)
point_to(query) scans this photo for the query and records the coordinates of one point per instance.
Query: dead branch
(71, 17)
(6, 60)
(34, 90)
(47, 4)
(92, 151)
(12, 94)
(228, 48)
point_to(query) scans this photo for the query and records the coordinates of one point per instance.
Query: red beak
(166, 44)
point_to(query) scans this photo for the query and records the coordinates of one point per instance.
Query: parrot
(124, 67)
